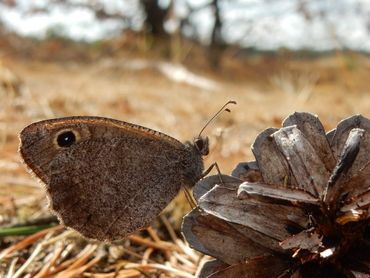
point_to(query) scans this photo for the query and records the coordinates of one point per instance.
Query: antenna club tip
(223, 108)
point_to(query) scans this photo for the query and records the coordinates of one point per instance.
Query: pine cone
(300, 210)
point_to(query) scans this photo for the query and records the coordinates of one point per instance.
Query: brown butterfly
(107, 178)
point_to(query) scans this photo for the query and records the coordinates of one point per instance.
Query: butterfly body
(107, 178)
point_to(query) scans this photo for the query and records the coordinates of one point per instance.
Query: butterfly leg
(189, 198)
(206, 172)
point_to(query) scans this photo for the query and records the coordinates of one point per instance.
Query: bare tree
(217, 43)
(155, 17)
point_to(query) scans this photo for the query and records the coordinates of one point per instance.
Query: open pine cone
(300, 210)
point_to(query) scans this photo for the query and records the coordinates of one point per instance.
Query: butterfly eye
(202, 145)
(66, 139)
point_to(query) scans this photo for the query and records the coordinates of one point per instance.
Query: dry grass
(32, 90)
(55, 252)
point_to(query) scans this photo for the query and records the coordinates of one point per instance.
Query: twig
(28, 241)
(45, 270)
(24, 266)
(161, 246)
(12, 268)
(169, 228)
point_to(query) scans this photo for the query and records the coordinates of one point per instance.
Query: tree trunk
(217, 44)
(155, 17)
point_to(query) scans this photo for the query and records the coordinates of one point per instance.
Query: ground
(144, 91)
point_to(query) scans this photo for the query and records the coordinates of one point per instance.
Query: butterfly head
(201, 145)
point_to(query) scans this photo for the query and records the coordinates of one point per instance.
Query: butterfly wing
(112, 181)
(107, 193)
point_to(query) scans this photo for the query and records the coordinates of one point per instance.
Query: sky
(263, 24)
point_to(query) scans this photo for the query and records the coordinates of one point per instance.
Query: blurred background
(170, 65)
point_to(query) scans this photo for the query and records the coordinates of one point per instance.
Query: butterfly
(107, 178)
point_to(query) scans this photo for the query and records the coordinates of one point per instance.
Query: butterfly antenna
(222, 109)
